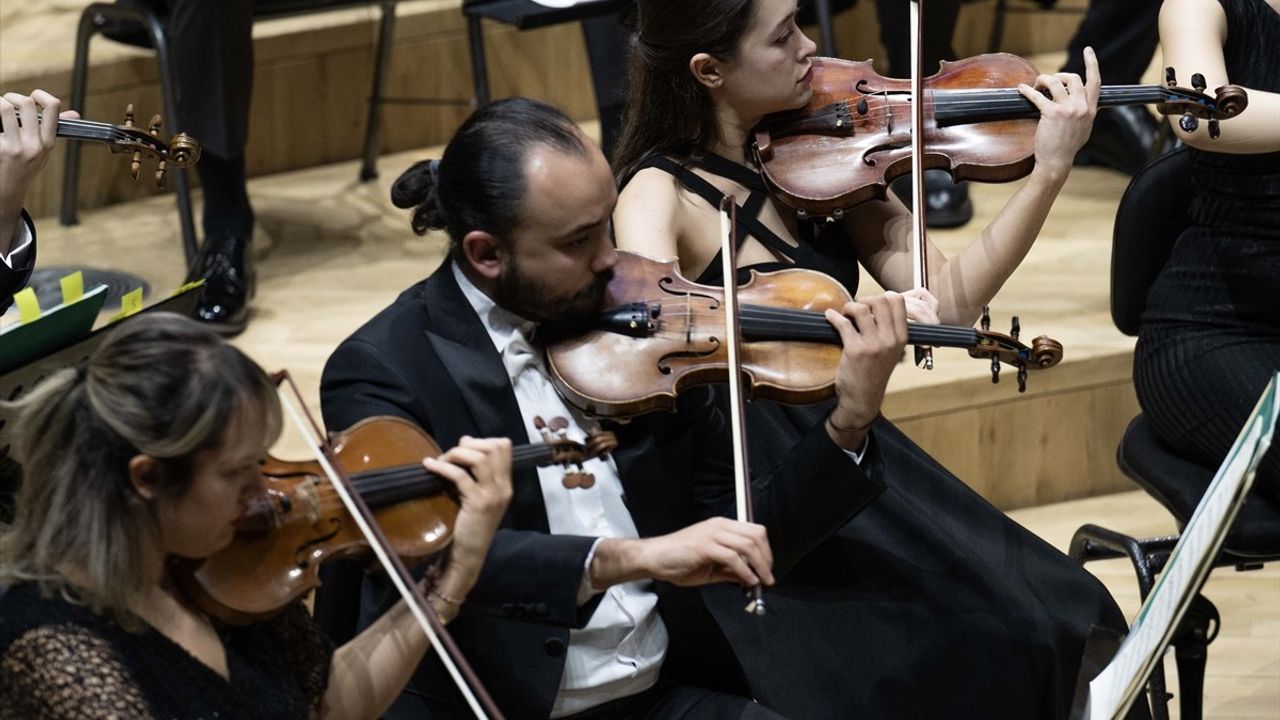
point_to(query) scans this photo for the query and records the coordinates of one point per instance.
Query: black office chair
(101, 16)
(1152, 213)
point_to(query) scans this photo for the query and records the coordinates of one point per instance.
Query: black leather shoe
(225, 263)
(1122, 139)
(947, 203)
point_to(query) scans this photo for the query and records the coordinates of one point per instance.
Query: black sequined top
(60, 661)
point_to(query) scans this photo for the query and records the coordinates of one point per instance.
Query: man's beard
(522, 295)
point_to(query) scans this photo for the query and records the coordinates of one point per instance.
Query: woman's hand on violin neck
(481, 471)
(714, 550)
(1066, 116)
(873, 332)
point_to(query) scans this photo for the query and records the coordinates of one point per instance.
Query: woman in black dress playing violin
(934, 603)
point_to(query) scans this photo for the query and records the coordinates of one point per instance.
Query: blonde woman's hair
(161, 385)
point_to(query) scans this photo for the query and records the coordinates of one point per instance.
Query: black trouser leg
(939, 23)
(1123, 33)
(213, 70)
(607, 39)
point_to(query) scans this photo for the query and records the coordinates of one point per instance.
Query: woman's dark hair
(479, 184)
(668, 111)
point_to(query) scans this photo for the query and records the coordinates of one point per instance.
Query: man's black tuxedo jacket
(429, 359)
(14, 279)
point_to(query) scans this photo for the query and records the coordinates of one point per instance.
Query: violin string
(372, 483)
(681, 306)
(1010, 100)
(782, 319)
(814, 330)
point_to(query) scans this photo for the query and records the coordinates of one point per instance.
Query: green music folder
(55, 329)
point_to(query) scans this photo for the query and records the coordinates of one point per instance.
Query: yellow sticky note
(131, 302)
(28, 306)
(189, 286)
(72, 287)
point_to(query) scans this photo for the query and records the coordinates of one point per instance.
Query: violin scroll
(1195, 105)
(566, 452)
(1044, 352)
(141, 144)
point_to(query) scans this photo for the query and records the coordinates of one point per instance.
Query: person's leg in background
(948, 202)
(213, 59)
(607, 40)
(1123, 33)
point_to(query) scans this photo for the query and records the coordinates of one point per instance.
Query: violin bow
(463, 676)
(737, 416)
(919, 249)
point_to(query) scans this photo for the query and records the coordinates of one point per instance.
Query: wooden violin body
(854, 136)
(663, 334)
(298, 522)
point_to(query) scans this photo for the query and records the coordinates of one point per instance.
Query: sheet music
(1119, 684)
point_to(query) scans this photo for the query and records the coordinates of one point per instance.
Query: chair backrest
(1152, 213)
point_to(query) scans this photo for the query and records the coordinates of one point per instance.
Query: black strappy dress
(930, 603)
(1210, 336)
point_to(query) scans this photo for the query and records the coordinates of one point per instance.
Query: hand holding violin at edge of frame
(873, 331)
(24, 150)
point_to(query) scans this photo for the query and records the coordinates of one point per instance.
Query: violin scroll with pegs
(556, 431)
(1229, 101)
(1045, 352)
(140, 144)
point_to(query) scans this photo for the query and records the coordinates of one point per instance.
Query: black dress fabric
(60, 661)
(931, 603)
(1210, 335)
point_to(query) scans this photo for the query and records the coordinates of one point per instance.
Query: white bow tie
(519, 356)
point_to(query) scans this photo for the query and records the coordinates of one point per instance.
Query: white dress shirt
(21, 243)
(621, 649)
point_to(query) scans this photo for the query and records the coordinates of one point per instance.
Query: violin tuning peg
(1188, 123)
(1022, 378)
(995, 370)
(1016, 328)
(154, 125)
(160, 175)
(1170, 78)
(128, 115)
(135, 165)
(538, 422)
(1214, 130)
(986, 317)
(1197, 82)
(558, 424)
